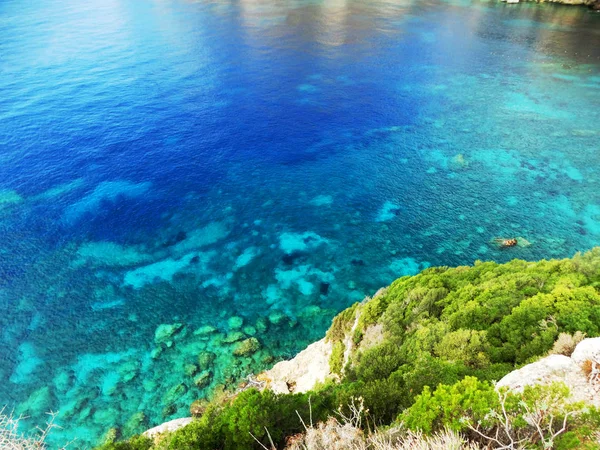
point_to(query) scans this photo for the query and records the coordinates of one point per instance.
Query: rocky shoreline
(592, 4)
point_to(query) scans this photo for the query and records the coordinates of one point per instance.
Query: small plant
(566, 343)
(587, 366)
(591, 368)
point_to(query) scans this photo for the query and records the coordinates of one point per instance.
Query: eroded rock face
(588, 349)
(170, 426)
(302, 372)
(560, 368)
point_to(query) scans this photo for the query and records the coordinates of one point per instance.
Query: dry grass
(346, 434)
(565, 343)
(587, 366)
(333, 435)
(12, 439)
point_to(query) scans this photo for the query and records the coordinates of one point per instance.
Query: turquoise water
(177, 177)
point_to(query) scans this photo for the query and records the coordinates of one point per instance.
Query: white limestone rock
(588, 349)
(545, 371)
(560, 368)
(302, 372)
(169, 426)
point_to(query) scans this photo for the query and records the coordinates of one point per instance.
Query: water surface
(184, 162)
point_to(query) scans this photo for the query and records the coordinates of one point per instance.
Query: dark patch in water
(290, 258)
(175, 239)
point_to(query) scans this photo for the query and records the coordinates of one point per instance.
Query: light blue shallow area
(177, 177)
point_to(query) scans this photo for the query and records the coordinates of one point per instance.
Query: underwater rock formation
(247, 347)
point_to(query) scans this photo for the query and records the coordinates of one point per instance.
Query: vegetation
(12, 439)
(445, 335)
(540, 417)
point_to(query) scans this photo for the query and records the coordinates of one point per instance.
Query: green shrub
(133, 443)
(376, 363)
(542, 416)
(342, 324)
(336, 360)
(448, 405)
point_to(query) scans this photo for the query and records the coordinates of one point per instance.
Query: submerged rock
(73, 407)
(459, 161)
(135, 424)
(156, 352)
(169, 410)
(9, 197)
(64, 381)
(190, 370)
(262, 325)
(235, 323)
(104, 416)
(277, 317)
(165, 332)
(205, 360)
(38, 403)
(205, 331)
(174, 394)
(311, 311)
(247, 347)
(234, 336)
(203, 379)
(129, 371)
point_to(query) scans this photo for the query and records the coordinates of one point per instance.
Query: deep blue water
(186, 162)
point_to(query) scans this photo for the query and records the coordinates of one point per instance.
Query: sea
(190, 190)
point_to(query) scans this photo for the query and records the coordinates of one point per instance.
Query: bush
(566, 343)
(540, 415)
(448, 405)
(251, 413)
(134, 443)
(336, 360)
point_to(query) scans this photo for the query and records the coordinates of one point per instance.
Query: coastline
(368, 335)
(592, 4)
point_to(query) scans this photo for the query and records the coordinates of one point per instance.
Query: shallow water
(183, 162)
